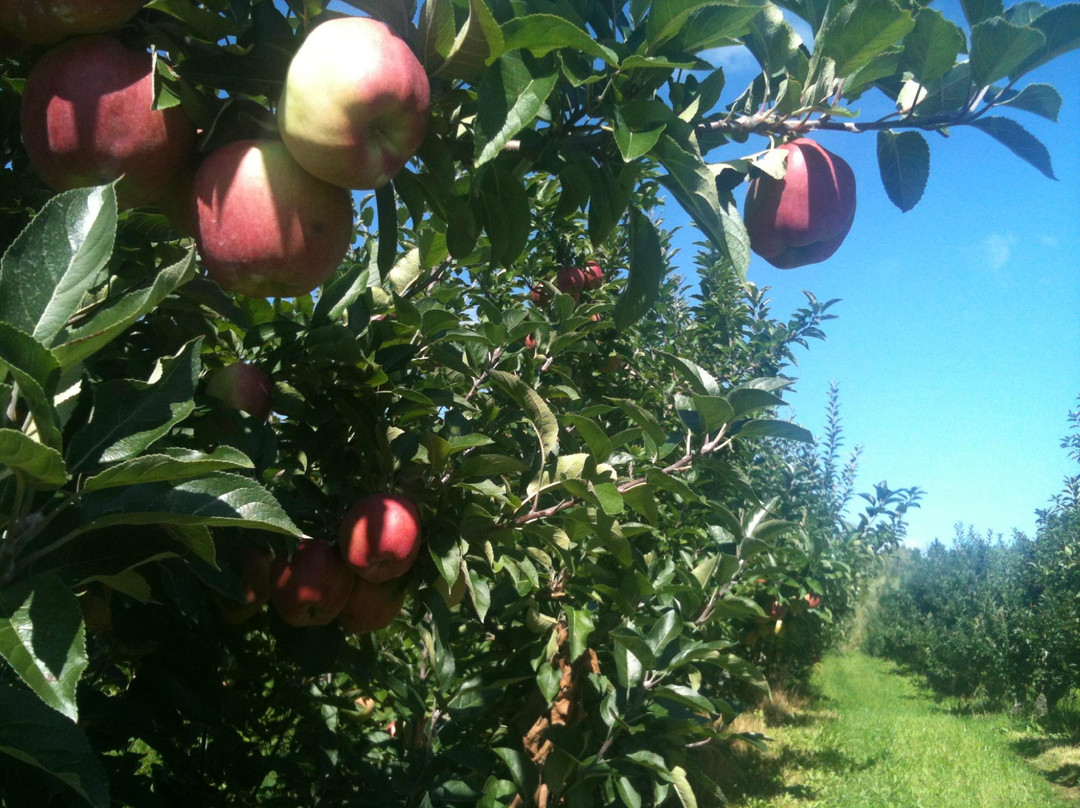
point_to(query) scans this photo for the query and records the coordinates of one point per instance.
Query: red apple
(242, 387)
(777, 610)
(87, 119)
(256, 567)
(804, 217)
(45, 22)
(594, 275)
(311, 590)
(380, 537)
(570, 280)
(372, 606)
(530, 342)
(355, 104)
(264, 226)
(540, 295)
(812, 600)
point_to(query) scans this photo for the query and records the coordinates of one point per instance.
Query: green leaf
(129, 415)
(639, 125)
(700, 379)
(217, 499)
(48, 269)
(36, 371)
(536, 410)
(667, 18)
(1019, 141)
(386, 208)
(904, 162)
(642, 418)
(686, 696)
(750, 399)
(664, 630)
(682, 787)
(1039, 99)
(36, 735)
(507, 213)
(579, 625)
(43, 465)
(341, 293)
(717, 26)
(204, 24)
(510, 97)
(1061, 28)
(775, 429)
(931, 48)
(171, 464)
(693, 185)
(81, 342)
(975, 11)
(542, 33)
(715, 411)
(646, 273)
(642, 499)
(627, 793)
(611, 501)
(999, 47)
(43, 639)
(860, 31)
(459, 54)
(599, 444)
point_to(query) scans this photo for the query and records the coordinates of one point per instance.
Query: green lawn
(872, 738)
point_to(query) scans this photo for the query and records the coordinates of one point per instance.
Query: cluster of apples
(271, 218)
(571, 280)
(804, 217)
(359, 582)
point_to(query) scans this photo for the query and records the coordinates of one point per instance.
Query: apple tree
(416, 269)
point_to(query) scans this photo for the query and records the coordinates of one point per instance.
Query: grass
(874, 738)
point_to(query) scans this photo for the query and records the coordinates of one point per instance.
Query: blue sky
(957, 348)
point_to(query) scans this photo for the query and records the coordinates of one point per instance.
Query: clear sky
(957, 348)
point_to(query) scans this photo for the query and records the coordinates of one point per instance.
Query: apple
(777, 610)
(380, 537)
(355, 104)
(46, 22)
(96, 605)
(312, 588)
(570, 280)
(256, 569)
(812, 600)
(87, 119)
(530, 342)
(540, 295)
(263, 225)
(242, 387)
(804, 217)
(372, 606)
(594, 275)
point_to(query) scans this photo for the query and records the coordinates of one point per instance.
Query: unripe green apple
(380, 537)
(372, 606)
(45, 22)
(264, 226)
(355, 104)
(87, 119)
(242, 387)
(804, 217)
(312, 588)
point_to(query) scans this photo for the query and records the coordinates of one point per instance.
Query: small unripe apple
(570, 280)
(242, 387)
(256, 569)
(372, 606)
(264, 226)
(594, 275)
(355, 104)
(804, 217)
(312, 588)
(45, 22)
(380, 537)
(87, 120)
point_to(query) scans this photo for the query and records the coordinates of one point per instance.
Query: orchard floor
(871, 737)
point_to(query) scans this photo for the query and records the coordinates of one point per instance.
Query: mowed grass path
(872, 738)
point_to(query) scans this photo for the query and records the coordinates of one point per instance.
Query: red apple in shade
(380, 537)
(804, 217)
(256, 566)
(242, 387)
(372, 606)
(530, 342)
(777, 610)
(96, 605)
(45, 22)
(263, 225)
(312, 588)
(87, 120)
(540, 295)
(812, 600)
(594, 275)
(570, 280)
(355, 104)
